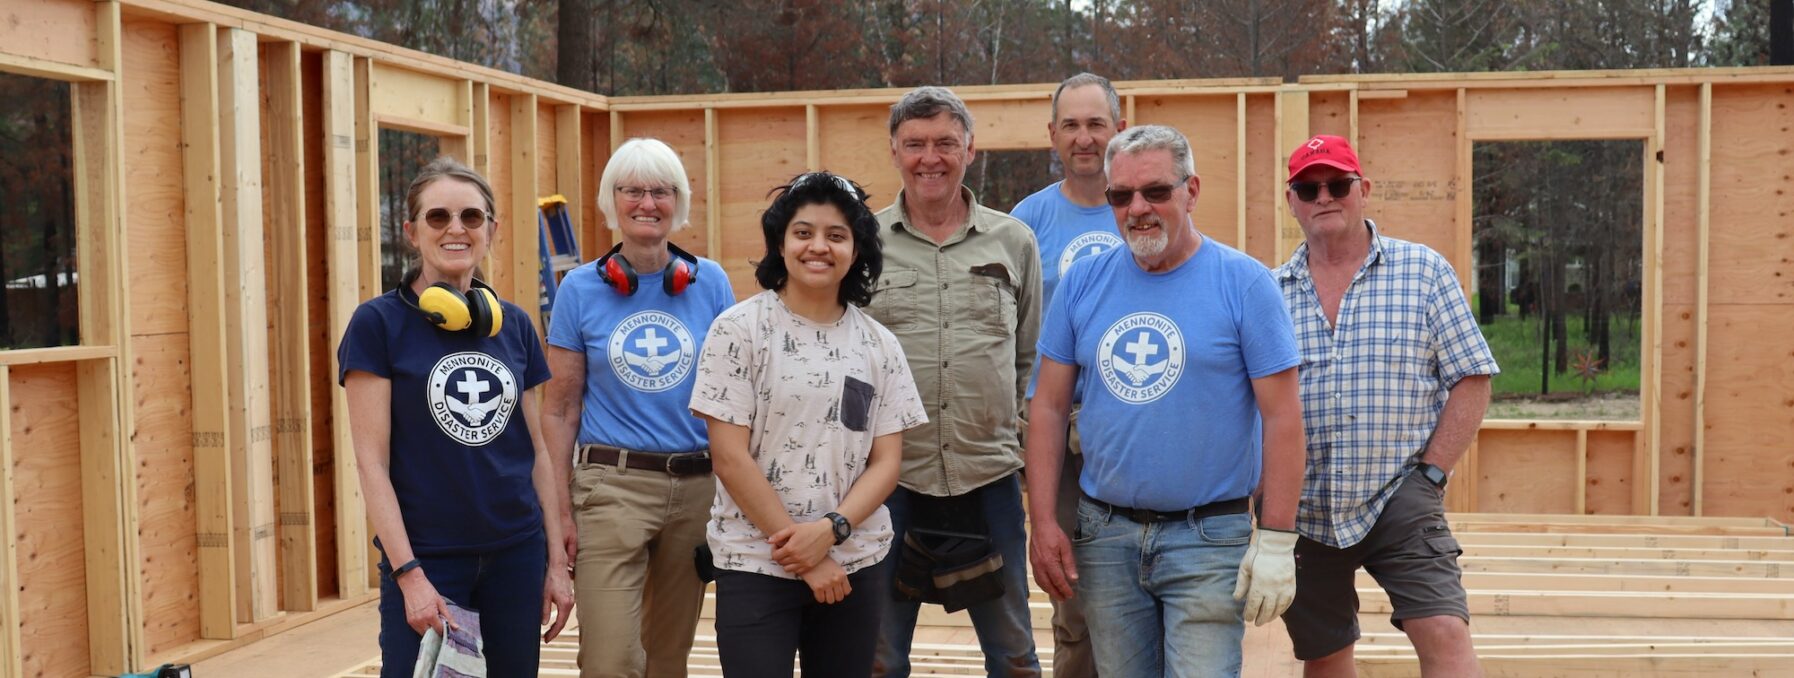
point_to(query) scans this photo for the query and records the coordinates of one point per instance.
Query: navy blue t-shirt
(461, 453)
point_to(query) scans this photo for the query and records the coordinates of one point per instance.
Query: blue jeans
(1159, 596)
(1005, 630)
(504, 586)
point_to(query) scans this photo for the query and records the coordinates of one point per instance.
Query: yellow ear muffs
(449, 309)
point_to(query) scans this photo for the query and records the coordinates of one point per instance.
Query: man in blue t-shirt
(1072, 221)
(1189, 363)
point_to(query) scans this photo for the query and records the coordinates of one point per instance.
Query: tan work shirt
(967, 313)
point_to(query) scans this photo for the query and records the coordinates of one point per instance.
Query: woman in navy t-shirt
(452, 463)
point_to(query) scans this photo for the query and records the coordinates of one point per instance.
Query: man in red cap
(1395, 380)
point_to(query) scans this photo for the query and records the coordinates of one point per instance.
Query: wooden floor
(1584, 596)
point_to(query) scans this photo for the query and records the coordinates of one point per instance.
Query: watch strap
(841, 527)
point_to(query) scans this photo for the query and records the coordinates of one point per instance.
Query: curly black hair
(823, 188)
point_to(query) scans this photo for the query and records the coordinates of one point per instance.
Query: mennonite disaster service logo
(1140, 357)
(1087, 245)
(472, 395)
(651, 351)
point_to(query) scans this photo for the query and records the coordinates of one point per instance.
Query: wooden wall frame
(1716, 286)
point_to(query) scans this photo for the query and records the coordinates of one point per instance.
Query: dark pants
(504, 586)
(762, 621)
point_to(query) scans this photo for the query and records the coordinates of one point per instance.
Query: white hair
(650, 161)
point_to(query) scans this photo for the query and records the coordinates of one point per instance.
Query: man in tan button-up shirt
(961, 290)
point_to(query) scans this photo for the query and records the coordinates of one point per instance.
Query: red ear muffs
(615, 271)
(681, 271)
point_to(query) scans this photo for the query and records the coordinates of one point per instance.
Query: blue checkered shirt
(1373, 388)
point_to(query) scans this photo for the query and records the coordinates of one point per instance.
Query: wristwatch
(843, 529)
(1433, 474)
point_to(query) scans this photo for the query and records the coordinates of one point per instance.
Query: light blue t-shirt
(1066, 232)
(640, 353)
(1169, 420)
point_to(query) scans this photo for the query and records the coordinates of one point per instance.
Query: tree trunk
(574, 66)
(1491, 281)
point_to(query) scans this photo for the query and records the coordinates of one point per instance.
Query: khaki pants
(638, 593)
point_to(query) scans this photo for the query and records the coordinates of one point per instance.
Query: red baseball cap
(1324, 149)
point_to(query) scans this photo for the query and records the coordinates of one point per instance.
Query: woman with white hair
(625, 333)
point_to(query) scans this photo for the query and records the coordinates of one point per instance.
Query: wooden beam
(51, 70)
(1782, 558)
(290, 328)
(246, 322)
(112, 640)
(525, 261)
(11, 649)
(1292, 132)
(1670, 541)
(456, 140)
(108, 458)
(367, 182)
(481, 98)
(569, 161)
(1702, 261)
(341, 259)
(205, 321)
(1464, 211)
(448, 133)
(1581, 471)
(713, 204)
(812, 139)
(1239, 170)
(55, 354)
(616, 130)
(1649, 478)
(1658, 567)
(1559, 425)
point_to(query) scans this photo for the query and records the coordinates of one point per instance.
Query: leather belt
(1219, 508)
(680, 464)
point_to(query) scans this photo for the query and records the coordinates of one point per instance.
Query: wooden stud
(112, 640)
(1651, 372)
(713, 204)
(616, 130)
(11, 650)
(1581, 471)
(460, 146)
(524, 262)
(1130, 108)
(812, 139)
(1292, 132)
(567, 163)
(205, 319)
(342, 266)
(1352, 116)
(289, 329)
(367, 181)
(482, 128)
(1702, 260)
(1239, 170)
(246, 320)
(1464, 211)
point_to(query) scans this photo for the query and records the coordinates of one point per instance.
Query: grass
(1517, 347)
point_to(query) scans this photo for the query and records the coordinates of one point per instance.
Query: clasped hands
(802, 549)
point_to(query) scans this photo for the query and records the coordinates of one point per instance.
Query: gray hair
(928, 101)
(1087, 80)
(1151, 138)
(647, 160)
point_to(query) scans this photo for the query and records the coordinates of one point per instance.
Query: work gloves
(1268, 575)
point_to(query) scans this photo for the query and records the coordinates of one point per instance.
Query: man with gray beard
(1190, 409)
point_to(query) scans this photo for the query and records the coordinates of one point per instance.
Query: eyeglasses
(1309, 191)
(1155, 194)
(637, 192)
(471, 218)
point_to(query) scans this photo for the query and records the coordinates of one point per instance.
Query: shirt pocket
(895, 300)
(993, 310)
(856, 404)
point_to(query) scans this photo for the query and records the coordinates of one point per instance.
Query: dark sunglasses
(1309, 191)
(1155, 194)
(471, 218)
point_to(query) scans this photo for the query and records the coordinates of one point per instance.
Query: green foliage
(1516, 344)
